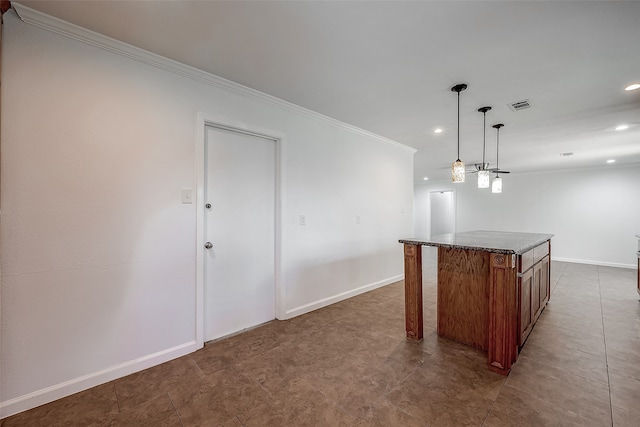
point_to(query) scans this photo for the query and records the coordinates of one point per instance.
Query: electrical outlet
(357, 218)
(303, 219)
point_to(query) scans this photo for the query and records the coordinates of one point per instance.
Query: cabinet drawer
(526, 261)
(540, 252)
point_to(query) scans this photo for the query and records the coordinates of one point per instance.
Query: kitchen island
(492, 287)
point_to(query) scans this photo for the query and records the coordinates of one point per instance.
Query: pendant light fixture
(483, 173)
(496, 186)
(457, 168)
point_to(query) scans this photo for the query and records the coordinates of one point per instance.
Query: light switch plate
(186, 195)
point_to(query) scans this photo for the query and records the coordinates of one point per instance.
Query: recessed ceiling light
(426, 178)
(437, 130)
(611, 161)
(622, 127)
(633, 86)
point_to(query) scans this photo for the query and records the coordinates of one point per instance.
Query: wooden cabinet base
(503, 346)
(463, 296)
(413, 291)
(482, 299)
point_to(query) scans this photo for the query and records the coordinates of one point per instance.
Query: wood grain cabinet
(525, 319)
(492, 286)
(533, 288)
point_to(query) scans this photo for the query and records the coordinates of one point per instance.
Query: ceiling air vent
(520, 105)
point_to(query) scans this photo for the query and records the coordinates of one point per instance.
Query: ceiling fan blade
(496, 171)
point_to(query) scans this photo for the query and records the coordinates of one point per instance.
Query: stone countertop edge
(526, 241)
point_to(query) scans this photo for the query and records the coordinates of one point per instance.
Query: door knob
(208, 245)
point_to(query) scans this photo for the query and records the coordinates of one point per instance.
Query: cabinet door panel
(536, 307)
(544, 282)
(524, 306)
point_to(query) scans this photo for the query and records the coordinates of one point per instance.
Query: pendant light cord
(458, 127)
(484, 136)
(497, 128)
(497, 151)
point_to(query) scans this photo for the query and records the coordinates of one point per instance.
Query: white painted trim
(58, 26)
(199, 164)
(280, 228)
(339, 297)
(598, 263)
(67, 388)
(202, 121)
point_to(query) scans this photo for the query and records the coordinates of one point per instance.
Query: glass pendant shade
(483, 179)
(496, 187)
(457, 171)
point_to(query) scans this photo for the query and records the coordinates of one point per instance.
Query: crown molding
(75, 32)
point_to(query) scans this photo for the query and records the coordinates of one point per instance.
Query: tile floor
(350, 365)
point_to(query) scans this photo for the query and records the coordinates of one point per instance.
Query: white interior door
(239, 276)
(443, 215)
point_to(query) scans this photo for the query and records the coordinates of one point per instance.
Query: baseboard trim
(67, 388)
(599, 263)
(339, 297)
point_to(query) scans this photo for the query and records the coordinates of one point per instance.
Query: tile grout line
(494, 402)
(175, 409)
(384, 395)
(604, 338)
(115, 391)
(332, 402)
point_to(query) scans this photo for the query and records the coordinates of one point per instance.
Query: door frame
(204, 120)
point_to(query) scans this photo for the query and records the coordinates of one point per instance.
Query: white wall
(594, 213)
(98, 252)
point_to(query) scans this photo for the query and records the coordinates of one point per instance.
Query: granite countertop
(490, 241)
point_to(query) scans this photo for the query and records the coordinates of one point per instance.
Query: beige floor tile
(463, 371)
(519, 408)
(624, 418)
(156, 412)
(572, 393)
(573, 361)
(217, 398)
(276, 368)
(355, 384)
(297, 404)
(439, 403)
(94, 407)
(552, 337)
(626, 367)
(151, 383)
(384, 414)
(625, 390)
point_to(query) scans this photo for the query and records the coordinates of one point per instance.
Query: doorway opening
(442, 212)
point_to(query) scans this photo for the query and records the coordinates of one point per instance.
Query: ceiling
(388, 67)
